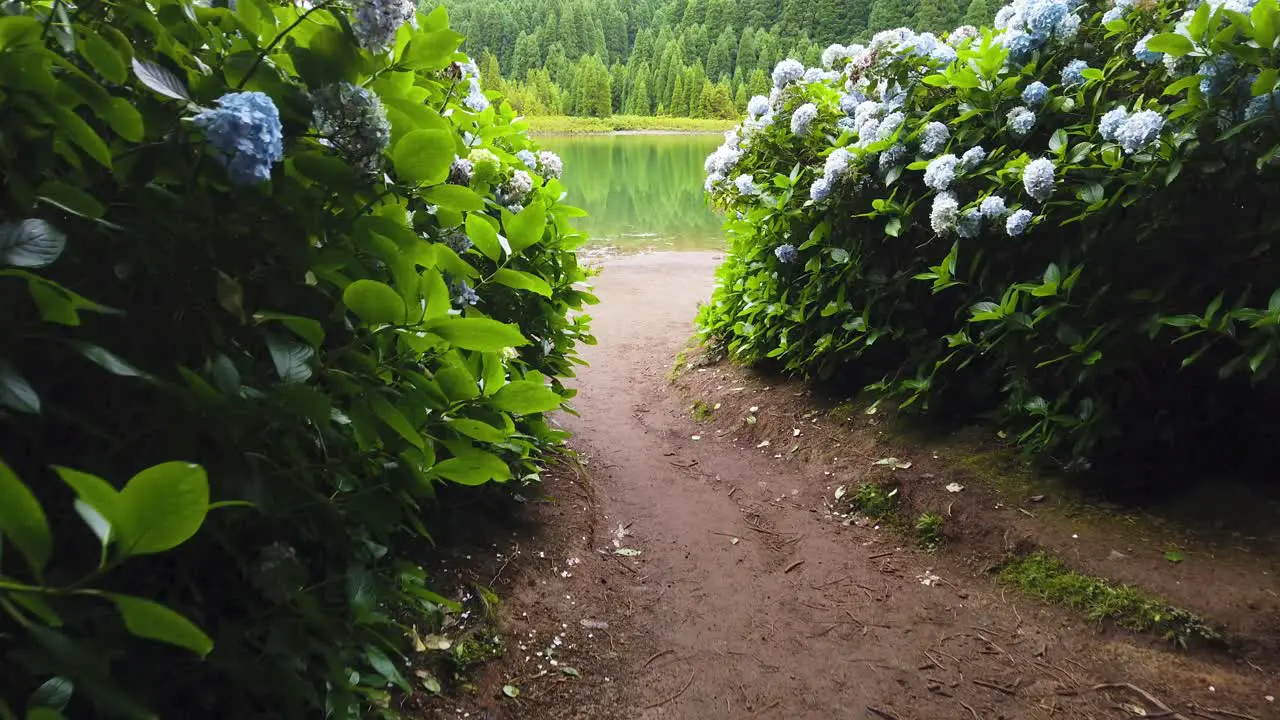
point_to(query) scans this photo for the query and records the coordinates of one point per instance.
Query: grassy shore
(560, 124)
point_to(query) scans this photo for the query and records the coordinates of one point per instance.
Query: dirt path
(749, 600)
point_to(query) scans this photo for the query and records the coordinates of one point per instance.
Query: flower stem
(276, 41)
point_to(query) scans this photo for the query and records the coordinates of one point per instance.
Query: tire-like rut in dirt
(763, 606)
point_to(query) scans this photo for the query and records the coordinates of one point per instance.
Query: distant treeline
(689, 58)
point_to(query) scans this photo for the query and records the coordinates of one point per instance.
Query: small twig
(619, 560)
(832, 582)
(994, 686)
(934, 660)
(733, 490)
(690, 464)
(728, 535)
(972, 712)
(1145, 696)
(762, 530)
(673, 697)
(882, 713)
(1026, 512)
(793, 566)
(846, 612)
(655, 657)
(877, 556)
(1229, 713)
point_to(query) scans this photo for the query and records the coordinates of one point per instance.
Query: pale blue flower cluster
(970, 223)
(1037, 178)
(945, 213)
(833, 54)
(460, 171)
(245, 130)
(1042, 18)
(746, 185)
(846, 124)
(1214, 74)
(943, 54)
(941, 172)
(1111, 121)
(934, 138)
(758, 105)
(893, 156)
(1018, 222)
(1073, 73)
(457, 241)
(1115, 13)
(475, 100)
(463, 294)
(787, 72)
(1139, 130)
(1141, 52)
(992, 207)
(1021, 121)
(835, 168)
(866, 110)
(889, 125)
(786, 253)
(821, 189)
(849, 102)
(528, 158)
(351, 120)
(1261, 105)
(972, 158)
(1029, 25)
(376, 22)
(813, 75)
(802, 119)
(550, 164)
(1035, 94)
(960, 34)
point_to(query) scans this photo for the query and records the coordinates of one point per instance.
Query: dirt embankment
(697, 571)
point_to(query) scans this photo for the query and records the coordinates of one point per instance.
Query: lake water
(643, 192)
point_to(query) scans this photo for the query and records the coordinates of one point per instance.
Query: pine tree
(981, 12)
(937, 15)
(886, 14)
(678, 105)
(617, 82)
(591, 95)
(638, 101)
(490, 72)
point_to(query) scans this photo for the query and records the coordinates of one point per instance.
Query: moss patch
(701, 411)
(929, 531)
(1046, 578)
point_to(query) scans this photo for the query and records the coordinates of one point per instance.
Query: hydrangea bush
(298, 248)
(1063, 221)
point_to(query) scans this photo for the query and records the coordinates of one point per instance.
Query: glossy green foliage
(341, 348)
(1116, 307)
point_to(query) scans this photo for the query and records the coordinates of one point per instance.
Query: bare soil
(749, 598)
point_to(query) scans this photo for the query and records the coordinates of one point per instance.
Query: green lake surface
(642, 191)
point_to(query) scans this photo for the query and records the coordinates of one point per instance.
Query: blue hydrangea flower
(1140, 130)
(787, 72)
(832, 54)
(1072, 74)
(1262, 105)
(1004, 17)
(351, 120)
(934, 138)
(821, 189)
(1021, 121)
(786, 253)
(1113, 14)
(528, 158)
(1214, 74)
(1021, 44)
(746, 185)
(758, 105)
(944, 214)
(550, 164)
(463, 294)
(943, 54)
(460, 172)
(1043, 16)
(941, 172)
(245, 130)
(972, 158)
(894, 156)
(1037, 178)
(1111, 122)
(457, 242)
(1141, 52)
(889, 126)
(376, 22)
(475, 101)
(802, 119)
(970, 223)
(1018, 222)
(992, 207)
(866, 110)
(846, 124)
(1035, 94)
(837, 163)
(1068, 28)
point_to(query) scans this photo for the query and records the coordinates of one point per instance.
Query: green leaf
(53, 693)
(478, 430)
(82, 135)
(374, 302)
(457, 383)
(108, 361)
(477, 468)
(98, 503)
(22, 520)
(30, 243)
(424, 156)
(396, 420)
(15, 392)
(160, 80)
(103, 56)
(431, 50)
(379, 661)
(454, 197)
(308, 329)
(163, 506)
(526, 228)
(511, 691)
(1175, 556)
(526, 397)
(484, 236)
(481, 334)
(153, 621)
(71, 199)
(1266, 81)
(44, 713)
(893, 227)
(1058, 140)
(123, 118)
(522, 281)
(291, 358)
(1171, 43)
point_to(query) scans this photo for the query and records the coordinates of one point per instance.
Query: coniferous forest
(684, 58)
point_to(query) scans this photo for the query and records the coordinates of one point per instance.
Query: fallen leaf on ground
(955, 487)
(894, 463)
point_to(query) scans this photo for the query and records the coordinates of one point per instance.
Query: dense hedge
(1065, 221)
(298, 249)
